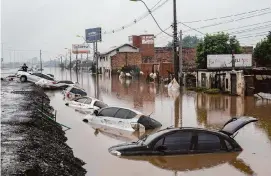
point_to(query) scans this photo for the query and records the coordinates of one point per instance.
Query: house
(116, 58)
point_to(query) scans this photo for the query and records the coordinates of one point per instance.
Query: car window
(89, 100)
(110, 112)
(180, 141)
(67, 82)
(122, 113)
(78, 91)
(208, 142)
(228, 145)
(131, 115)
(100, 104)
(46, 77)
(80, 100)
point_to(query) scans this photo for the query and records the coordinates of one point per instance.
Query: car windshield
(149, 138)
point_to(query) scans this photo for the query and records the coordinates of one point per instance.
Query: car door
(34, 77)
(208, 142)
(120, 119)
(176, 143)
(106, 115)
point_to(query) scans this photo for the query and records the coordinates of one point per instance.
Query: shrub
(212, 91)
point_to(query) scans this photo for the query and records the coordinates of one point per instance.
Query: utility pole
(232, 59)
(76, 69)
(181, 58)
(175, 40)
(70, 60)
(40, 62)
(96, 51)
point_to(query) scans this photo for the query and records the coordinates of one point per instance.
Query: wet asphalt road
(188, 109)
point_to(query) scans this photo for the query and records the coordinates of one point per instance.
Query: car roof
(135, 111)
(190, 128)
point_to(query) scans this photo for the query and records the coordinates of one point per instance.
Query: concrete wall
(240, 80)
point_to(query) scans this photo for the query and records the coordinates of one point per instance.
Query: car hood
(123, 146)
(236, 123)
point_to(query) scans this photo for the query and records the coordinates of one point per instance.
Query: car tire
(23, 78)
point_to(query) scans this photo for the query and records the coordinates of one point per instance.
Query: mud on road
(32, 144)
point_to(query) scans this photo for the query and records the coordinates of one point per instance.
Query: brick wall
(165, 54)
(124, 59)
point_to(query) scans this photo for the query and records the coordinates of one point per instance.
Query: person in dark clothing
(24, 67)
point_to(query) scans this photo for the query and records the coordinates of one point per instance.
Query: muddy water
(187, 109)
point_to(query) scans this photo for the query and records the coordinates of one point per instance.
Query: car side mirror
(95, 112)
(161, 148)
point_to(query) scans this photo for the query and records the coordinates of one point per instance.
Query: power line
(153, 9)
(228, 16)
(224, 22)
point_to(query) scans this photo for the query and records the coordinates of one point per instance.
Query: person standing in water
(24, 67)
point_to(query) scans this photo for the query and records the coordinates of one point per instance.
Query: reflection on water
(171, 109)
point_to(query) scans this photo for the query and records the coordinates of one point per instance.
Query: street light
(175, 38)
(87, 44)
(70, 57)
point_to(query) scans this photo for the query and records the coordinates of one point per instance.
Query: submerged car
(72, 92)
(44, 83)
(177, 141)
(33, 77)
(86, 103)
(122, 118)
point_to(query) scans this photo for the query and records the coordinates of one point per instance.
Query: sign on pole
(80, 48)
(225, 61)
(93, 35)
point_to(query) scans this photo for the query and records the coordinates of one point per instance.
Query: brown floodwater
(187, 109)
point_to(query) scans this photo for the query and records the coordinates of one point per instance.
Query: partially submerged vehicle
(33, 77)
(48, 84)
(179, 141)
(74, 91)
(122, 118)
(86, 103)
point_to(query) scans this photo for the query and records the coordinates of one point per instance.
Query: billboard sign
(93, 35)
(80, 48)
(147, 39)
(225, 61)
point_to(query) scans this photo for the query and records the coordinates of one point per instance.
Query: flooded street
(189, 109)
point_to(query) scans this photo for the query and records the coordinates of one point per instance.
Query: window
(110, 112)
(100, 104)
(228, 145)
(81, 100)
(78, 91)
(67, 82)
(178, 141)
(122, 113)
(227, 83)
(89, 100)
(131, 115)
(208, 142)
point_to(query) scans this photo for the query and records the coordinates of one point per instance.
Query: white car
(86, 104)
(33, 77)
(72, 92)
(44, 83)
(122, 118)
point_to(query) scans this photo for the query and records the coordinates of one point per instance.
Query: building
(145, 44)
(114, 59)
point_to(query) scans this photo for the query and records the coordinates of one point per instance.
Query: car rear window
(131, 115)
(67, 82)
(100, 104)
(78, 91)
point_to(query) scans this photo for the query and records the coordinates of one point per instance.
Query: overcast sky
(52, 25)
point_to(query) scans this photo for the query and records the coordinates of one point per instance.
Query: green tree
(188, 42)
(220, 43)
(262, 52)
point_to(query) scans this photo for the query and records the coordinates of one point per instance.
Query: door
(209, 143)
(233, 84)
(179, 142)
(120, 119)
(106, 115)
(79, 102)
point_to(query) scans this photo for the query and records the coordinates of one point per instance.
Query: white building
(104, 60)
